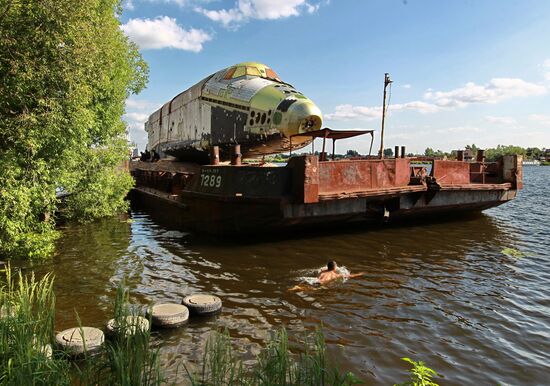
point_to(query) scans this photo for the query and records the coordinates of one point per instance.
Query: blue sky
(464, 71)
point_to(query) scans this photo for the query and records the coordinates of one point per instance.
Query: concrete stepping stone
(131, 325)
(78, 340)
(202, 304)
(168, 315)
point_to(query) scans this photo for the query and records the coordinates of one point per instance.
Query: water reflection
(438, 291)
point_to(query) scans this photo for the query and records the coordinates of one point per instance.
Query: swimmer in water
(326, 276)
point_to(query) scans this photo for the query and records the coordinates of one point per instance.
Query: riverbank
(29, 354)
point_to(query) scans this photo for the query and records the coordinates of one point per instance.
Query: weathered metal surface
(236, 156)
(214, 155)
(305, 178)
(512, 170)
(451, 172)
(245, 181)
(307, 192)
(355, 176)
(246, 104)
(387, 192)
(503, 186)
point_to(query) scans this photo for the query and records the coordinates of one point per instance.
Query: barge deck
(308, 192)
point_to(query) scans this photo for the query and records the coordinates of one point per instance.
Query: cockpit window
(229, 73)
(270, 74)
(240, 71)
(252, 71)
(237, 72)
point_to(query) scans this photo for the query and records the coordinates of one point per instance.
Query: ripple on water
(440, 292)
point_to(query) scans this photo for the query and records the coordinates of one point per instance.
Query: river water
(444, 292)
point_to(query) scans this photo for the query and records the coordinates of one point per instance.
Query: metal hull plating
(245, 104)
(228, 217)
(309, 193)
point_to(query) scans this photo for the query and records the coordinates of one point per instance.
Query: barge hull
(227, 199)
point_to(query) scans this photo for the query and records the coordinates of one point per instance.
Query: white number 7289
(210, 180)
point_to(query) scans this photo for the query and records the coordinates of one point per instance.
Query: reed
(276, 365)
(133, 362)
(27, 315)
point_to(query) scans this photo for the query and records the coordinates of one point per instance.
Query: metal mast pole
(387, 81)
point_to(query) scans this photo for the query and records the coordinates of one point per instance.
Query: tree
(388, 152)
(352, 153)
(493, 154)
(473, 148)
(429, 152)
(65, 71)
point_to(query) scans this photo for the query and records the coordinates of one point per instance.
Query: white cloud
(546, 67)
(164, 32)
(312, 8)
(540, 118)
(138, 111)
(141, 104)
(347, 112)
(258, 9)
(494, 91)
(181, 3)
(421, 107)
(461, 129)
(227, 17)
(129, 5)
(407, 86)
(399, 136)
(500, 120)
(136, 117)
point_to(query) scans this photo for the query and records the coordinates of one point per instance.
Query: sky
(463, 71)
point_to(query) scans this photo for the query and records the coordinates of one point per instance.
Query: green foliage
(27, 313)
(491, 154)
(494, 154)
(66, 69)
(420, 374)
(275, 365)
(133, 361)
(388, 152)
(129, 359)
(472, 147)
(429, 152)
(102, 189)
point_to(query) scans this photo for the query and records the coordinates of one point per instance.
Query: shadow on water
(297, 233)
(438, 290)
(421, 293)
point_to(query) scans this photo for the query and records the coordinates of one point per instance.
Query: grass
(27, 315)
(127, 358)
(27, 342)
(26, 332)
(275, 365)
(131, 359)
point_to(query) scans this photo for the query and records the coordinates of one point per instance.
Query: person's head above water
(331, 265)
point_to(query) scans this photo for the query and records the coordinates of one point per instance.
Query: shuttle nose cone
(303, 116)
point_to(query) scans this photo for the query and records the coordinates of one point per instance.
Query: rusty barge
(247, 107)
(313, 190)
